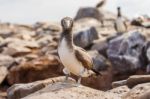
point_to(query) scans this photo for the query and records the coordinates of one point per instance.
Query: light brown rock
(36, 69)
(3, 73)
(70, 91)
(137, 79)
(138, 92)
(119, 83)
(120, 91)
(6, 60)
(18, 91)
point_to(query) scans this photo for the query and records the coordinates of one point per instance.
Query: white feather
(68, 59)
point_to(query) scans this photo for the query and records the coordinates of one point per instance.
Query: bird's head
(67, 23)
(118, 8)
(119, 11)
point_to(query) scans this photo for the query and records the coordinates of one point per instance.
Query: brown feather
(84, 58)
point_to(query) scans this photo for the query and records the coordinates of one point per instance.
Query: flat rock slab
(141, 91)
(70, 91)
(3, 73)
(137, 79)
(18, 91)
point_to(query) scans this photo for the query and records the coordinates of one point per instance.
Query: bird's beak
(67, 25)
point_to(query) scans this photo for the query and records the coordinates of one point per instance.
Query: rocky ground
(30, 67)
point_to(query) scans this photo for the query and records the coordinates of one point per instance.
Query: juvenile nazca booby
(120, 25)
(75, 59)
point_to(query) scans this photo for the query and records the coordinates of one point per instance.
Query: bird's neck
(67, 35)
(119, 13)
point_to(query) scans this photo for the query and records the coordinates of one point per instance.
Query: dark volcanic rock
(89, 12)
(145, 56)
(124, 52)
(86, 38)
(99, 61)
(101, 47)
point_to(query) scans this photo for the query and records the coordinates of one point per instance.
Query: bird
(75, 59)
(120, 25)
(101, 4)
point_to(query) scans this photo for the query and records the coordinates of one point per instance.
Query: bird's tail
(96, 72)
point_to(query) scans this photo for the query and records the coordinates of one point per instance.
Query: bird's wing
(125, 24)
(84, 58)
(115, 26)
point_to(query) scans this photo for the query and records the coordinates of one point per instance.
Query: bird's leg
(102, 23)
(67, 73)
(79, 79)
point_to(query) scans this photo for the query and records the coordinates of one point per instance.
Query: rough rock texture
(137, 79)
(101, 46)
(3, 73)
(124, 52)
(100, 63)
(44, 67)
(18, 91)
(70, 91)
(122, 90)
(119, 83)
(140, 91)
(6, 60)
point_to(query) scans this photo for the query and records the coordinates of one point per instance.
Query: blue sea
(30, 11)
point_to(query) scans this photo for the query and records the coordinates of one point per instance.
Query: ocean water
(30, 11)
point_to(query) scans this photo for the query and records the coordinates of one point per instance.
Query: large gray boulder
(124, 52)
(89, 12)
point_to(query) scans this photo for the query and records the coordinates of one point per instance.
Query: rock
(3, 73)
(69, 91)
(100, 63)
(120, 90)
(145, 56)
(141, 21)
(5, 30)
(99, 82)
(54, 27)
(16, 50)
(119, 83)
(124, 52)
(18, 91)
(86, 38)
(50, 49)
(138, 92)
(3, 95)
(137, 79)
(6, 60)
(89, 12)
(145, 95)
(101, 46)
(23, 43)
(45, 40)
(44, 67)
(85, 23)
